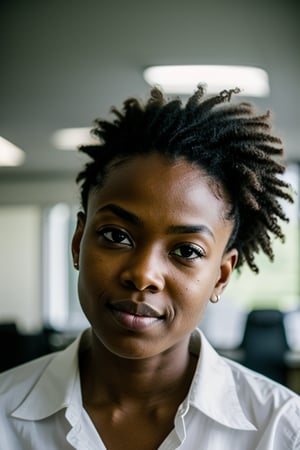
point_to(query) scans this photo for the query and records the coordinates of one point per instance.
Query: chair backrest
(265, 343)
(9, 345)
(17, 348)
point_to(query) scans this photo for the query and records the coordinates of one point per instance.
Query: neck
(106, 377)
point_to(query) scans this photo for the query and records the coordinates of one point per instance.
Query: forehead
(161, 184)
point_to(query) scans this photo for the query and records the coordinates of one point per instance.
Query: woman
(175, 198)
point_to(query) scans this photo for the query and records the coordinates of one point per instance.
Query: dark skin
(151, 253)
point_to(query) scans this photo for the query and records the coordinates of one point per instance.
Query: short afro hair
(229, 140)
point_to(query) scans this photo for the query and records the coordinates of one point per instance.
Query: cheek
(192, 297)
(198, 284)
(92, 278)
(92, 288)
(93, 266)
(193, 293)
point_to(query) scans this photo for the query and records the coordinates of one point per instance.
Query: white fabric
(228, 407)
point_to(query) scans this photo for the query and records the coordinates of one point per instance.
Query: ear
(228, 263)
(77, 238)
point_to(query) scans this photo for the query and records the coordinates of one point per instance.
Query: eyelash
(117, 231)
(121, 235)
(200, 253)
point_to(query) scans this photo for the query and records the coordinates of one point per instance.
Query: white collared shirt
(228, 407)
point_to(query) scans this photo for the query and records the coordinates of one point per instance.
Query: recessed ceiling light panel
(252, 81)
(71, 138)
(10, 154)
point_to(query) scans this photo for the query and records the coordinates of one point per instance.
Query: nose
(144, 271)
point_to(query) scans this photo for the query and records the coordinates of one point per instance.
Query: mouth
(135, 316)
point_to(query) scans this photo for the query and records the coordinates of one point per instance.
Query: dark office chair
(17, 348)
(264, 343)
(10, 346)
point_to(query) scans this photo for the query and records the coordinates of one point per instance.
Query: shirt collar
(214, 391)
(55, 388)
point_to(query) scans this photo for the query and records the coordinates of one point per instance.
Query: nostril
(130, 284)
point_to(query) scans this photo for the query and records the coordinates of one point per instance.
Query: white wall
(21, 284)
(20, 266)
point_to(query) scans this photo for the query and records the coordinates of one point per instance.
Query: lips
(137, 309)
(137, 317)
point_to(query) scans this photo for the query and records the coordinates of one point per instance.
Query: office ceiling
(65, 62)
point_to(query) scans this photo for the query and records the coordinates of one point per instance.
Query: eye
(115, 236)
(189, 251)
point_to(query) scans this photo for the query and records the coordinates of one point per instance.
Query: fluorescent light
(252, 81)
(72, 138)
(10, 154)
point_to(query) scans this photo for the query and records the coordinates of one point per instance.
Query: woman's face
(151, 254)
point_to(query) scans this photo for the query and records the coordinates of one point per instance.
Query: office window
(61, 305)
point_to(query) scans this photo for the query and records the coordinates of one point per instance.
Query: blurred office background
(64, 63)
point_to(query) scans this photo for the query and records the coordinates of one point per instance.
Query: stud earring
(215, 298)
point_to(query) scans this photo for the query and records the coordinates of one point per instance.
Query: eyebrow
(122, 213)
(189, 229)
(136, 220)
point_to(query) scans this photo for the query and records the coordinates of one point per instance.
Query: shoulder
(17, 382)
(43, 381)
(261, 388)
(30, 393)
(267, 403)
(239, 397)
